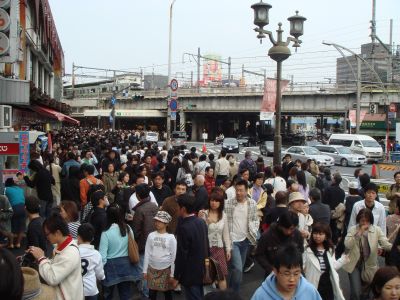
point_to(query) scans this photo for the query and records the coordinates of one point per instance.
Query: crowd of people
(93, 198)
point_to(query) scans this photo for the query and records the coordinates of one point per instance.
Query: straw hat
(296, 196)
(33, 289)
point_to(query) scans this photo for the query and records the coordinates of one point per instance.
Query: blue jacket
(304, 291)
(15, 195)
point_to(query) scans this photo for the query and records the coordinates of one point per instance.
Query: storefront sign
(23, 151)
(8, 149)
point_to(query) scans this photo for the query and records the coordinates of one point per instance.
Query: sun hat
(296, 196)
(163, 217)
(33, 289)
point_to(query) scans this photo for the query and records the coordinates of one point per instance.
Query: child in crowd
(92, 265)
(308, 219)
(159, 257)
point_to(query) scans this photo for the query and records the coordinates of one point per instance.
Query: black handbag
(210, 266)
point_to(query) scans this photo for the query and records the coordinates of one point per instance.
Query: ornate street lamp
(279, 52)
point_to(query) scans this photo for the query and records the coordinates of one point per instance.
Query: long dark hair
(185, 166)
(114, 215)
(218, 195)
(321, 228)
(301, 179)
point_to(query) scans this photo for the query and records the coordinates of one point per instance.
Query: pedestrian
(110, 179)
(69, 212)
(12, 281)
(222, 168)
(55, 171)
(394, 255)
(68, 164)
(91, 262)
(200, 193)
(394, 192)
(218, 235)
(119, 271)
(281, 199)
(393, 222)
(278, 235)
(192, 249)
(15, 195)
(248, 164)
(233, 166)
(377, 208)
(159, 189)
(170, 205)
(295, 204)
(319, 211)
(70, 189)
(320, 265)
(243, 223)
(64, 269)
(185, 173)
(303, 186)
(287, 165)
(98, 218)
(209, 180)
(159, 258)
(362, 243)
(277, 180)
(84, 187)
(41, 182)
(6, 213)
(386, 284)
(286, 281)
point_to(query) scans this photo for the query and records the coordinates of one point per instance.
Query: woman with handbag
(361, 243)
(218, 235)
(118, 267)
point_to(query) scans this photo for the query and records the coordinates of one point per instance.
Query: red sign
(9, 149)
(392, 107)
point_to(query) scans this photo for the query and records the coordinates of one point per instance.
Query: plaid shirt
(253, 220)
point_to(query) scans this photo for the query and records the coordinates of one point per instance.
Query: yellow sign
(383, 188)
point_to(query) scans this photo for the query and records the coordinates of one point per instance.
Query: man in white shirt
(133, 200)
(221, 169)
(243, 223)
(377, 208)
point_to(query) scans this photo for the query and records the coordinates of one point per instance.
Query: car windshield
(179, 135)
(230, 140)
(370, 143)
(311, 151)
(344, 150)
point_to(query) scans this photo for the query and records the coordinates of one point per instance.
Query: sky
(132, 35)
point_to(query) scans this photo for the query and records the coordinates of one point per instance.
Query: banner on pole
(267, 109)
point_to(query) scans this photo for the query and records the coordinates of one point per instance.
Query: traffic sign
(174, 95)
(392, 107)
(173, 105)
(173, 115)
(113, 100)
(174, 85)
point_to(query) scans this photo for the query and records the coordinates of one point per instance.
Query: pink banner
(352, 117)
(269, 99)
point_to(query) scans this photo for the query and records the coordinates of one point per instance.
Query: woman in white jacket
(63, 271)
(320, 266)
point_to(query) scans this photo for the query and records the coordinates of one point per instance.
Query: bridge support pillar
(182, 120)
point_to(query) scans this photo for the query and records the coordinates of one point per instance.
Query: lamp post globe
(297, 25)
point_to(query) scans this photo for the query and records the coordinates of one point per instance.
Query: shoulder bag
(133, 249)
(210, 266)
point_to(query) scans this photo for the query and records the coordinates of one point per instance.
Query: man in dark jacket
(143, 224)
(333, 196)
(319, 212)
(200, 193)
(159, 189)
(98, 218)
(278, 235)
(42, 182)
(287, 165)
(192, 238)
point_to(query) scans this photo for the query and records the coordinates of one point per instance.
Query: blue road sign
(173, 115)
(173, 105)
(113, 100)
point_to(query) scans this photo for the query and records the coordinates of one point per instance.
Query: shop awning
(54, 114)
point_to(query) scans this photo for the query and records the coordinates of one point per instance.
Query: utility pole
(358, 109)
(73, 81)
(113, 104)
(229, 71)
(198, 69)
(390, 66)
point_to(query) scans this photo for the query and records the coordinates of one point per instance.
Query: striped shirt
(73, 229)
(320, 256)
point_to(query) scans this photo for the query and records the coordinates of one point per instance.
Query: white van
(358, 143)
(150, 136)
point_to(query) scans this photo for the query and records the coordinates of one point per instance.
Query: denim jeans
(143, 283)
(194, 292)
(45, 208)
(357, 290)
(236, 264)
(125, 291)
(95, 297)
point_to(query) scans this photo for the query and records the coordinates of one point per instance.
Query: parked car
(230, 145)
(359, 143)
(267, 148)
(304, 153)
(178, 138)
(247, 140)
(312, 143)
(343, 155)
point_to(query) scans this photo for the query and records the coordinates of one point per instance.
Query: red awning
(54, 114)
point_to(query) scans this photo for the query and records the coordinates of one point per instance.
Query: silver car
(304, 153)
(343, 155)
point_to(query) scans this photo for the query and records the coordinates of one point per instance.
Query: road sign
(373, 108)
(173, 115)
(113, 100)
(174, 95)
(174, 85)
(173, 105)
(392, 107)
